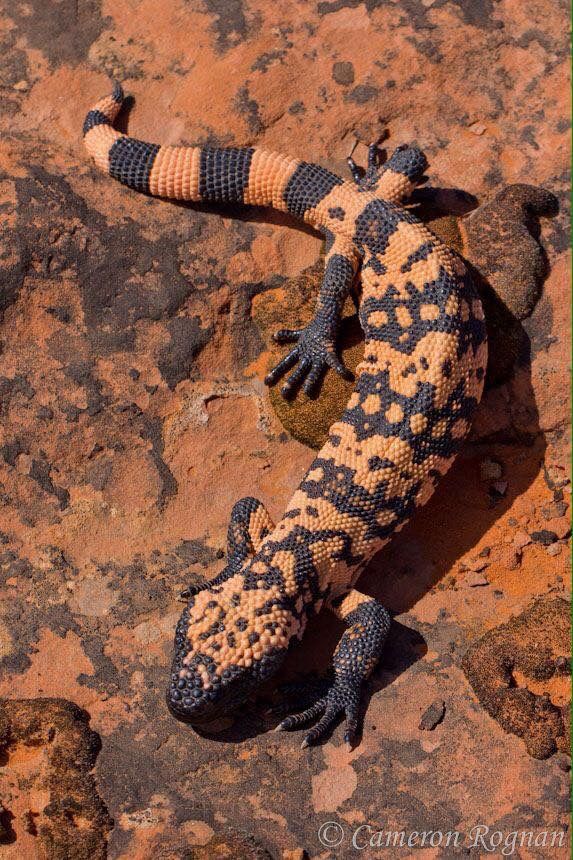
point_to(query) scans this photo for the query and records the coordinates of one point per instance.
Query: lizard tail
(207, 174)
(99, 133)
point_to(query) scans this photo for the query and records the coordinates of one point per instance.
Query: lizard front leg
(250, 523)
(315, 349)
(355, 657)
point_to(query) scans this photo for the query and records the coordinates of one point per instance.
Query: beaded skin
(416, 390)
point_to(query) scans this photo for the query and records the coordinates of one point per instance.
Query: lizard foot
(315, 344)
(314, 352)
(365, 179)
(343, 697)
(355, 657)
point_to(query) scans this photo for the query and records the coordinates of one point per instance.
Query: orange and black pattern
(416, 391)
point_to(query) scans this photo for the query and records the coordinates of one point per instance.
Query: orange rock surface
(134, 339)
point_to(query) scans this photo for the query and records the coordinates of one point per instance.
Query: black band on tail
(131, 161)
(224, 173)
(94, 117)
(308, 185)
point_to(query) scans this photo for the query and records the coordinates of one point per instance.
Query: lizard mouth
(201, 714)
(196, 703)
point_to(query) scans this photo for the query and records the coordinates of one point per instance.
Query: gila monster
(416, 391)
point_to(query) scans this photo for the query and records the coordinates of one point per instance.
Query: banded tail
(246, 175)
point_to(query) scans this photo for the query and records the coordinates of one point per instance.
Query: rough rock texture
(521, 673)
(502, 240)
(50, 805)
(133, 343)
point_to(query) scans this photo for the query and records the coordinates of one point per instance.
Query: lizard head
(229, 639)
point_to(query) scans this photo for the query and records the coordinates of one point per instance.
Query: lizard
(416, 389)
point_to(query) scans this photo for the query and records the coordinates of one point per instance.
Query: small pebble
(477, 564)
(499, 488)
(490, 470)
(555, 477)
(554, 549)
(521, 539)
(21, 86)
(475, 579)
(555, 509)
(477, 128)
(433, 716)
(544, 536)
(514, 559)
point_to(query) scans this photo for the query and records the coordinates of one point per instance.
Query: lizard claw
(190, 591)
(287, 335)
(313, 354)
(341, 699)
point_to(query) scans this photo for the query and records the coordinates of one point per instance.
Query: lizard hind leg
(395, 180)
(355, 657)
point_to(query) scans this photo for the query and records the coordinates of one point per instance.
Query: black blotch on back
(131, 161)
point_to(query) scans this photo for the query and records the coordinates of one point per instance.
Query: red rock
(521, 539)
(134, 339)
(475, 579)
